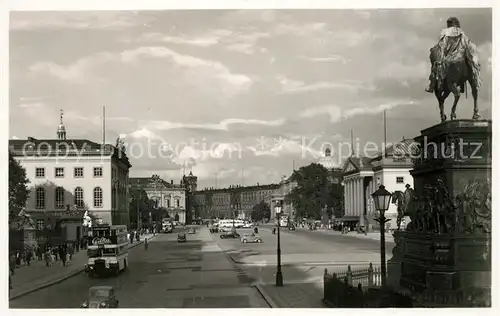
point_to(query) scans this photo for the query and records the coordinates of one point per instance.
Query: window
(400, 180)
(40, 172)
(97, 172)
(97, 197)
(168, 203)
(59, 172)
(40, 198)
(177, 203)
(59, 198)
(79, 197)
(40, 224)
(78, 172)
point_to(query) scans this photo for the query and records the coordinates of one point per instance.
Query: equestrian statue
(454, 62)
(402, 199)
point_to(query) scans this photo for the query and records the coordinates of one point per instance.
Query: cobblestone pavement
(195, 274)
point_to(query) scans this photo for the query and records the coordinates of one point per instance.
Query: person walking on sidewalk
(48, 258)
(145, 243)
(71, 251)
(12, 263)
(62, 254)
(29, 255)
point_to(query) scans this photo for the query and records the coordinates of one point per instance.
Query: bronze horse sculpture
(453, 78)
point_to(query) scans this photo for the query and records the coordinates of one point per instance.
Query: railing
(360, 288)
(366, 277)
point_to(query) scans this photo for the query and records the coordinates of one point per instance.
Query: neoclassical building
(362, 176)
(166, 194)
(69, 176)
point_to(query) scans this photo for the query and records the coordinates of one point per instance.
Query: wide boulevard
(210, 272)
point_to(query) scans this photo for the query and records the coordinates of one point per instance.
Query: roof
(402, 148)
(145, 181)
(66, 148)
(361, 163)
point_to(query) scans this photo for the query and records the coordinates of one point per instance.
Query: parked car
(230, 234)
(247, 225)
(191, 231)
(251, 238)
(101, 297)
(181, 237)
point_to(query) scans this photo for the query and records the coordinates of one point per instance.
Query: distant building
(362, 176)
(285, 187)
(68, 176)
(237, 200)
(166, 195)
(190, 184)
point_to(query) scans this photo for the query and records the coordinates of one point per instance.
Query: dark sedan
(181, 237)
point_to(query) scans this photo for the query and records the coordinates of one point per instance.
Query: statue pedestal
(447, 245)
(455, 151)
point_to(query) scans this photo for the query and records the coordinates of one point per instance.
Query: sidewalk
(297, 295)
(28, 279)
(371, 235)
(322, 259)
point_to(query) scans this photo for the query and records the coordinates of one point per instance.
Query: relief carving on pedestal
(436, 211)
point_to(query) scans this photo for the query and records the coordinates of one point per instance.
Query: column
(351, 188)
(347, 197)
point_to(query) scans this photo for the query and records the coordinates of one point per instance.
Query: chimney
(171, 181)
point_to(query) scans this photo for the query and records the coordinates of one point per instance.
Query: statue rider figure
(446, 51)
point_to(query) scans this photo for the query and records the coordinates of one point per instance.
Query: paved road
(305, 254)
(195, 274)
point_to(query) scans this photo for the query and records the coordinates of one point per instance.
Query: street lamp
(382, 200)
(279, 274)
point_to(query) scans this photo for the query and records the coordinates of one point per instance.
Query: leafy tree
(18, 187)
(336, 200)
(311, 196)
(260, 211)
(139, 201)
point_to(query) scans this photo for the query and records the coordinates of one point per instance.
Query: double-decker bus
(107, 250)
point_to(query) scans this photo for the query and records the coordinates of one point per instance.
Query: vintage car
(251, 238)
(101, 297)
(230, 234)
(181, 237)
(191, 231)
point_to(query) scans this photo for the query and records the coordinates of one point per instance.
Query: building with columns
(363, 175)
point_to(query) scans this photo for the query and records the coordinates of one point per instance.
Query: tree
(18, 187)
(139, 201)
(260, 211)
(336, 200)
(311, 196)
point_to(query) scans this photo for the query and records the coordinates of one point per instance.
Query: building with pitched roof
(69, 176)
(363, 175)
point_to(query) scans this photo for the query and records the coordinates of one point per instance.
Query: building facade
(235, 201)
(69, 176)
(167, 195)
(362, 176)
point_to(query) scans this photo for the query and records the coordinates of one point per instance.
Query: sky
(234, 96)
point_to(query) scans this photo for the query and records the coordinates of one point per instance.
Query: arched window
(79, 197)
(59, 198)
(40, 198)
(97, 197)
(177, 202)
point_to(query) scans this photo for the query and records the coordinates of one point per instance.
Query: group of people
(48, 253)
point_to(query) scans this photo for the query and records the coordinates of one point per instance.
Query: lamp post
(382, 200)
(279, 274)
(155, 180)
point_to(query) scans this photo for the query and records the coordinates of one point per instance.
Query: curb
(61, 279)
(266, 297)
(306, 264)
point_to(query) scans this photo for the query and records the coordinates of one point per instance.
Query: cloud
(326, 59)
(80, 20)
(222, 125)
(337, 113)
(202, 41)
(77, 72)
(296, 86)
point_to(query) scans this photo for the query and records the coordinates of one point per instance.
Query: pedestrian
(12, 263)
(145, 243)
(71, 251)
(62, 255)
(29, 255)
(48, 258)
(18, 258)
